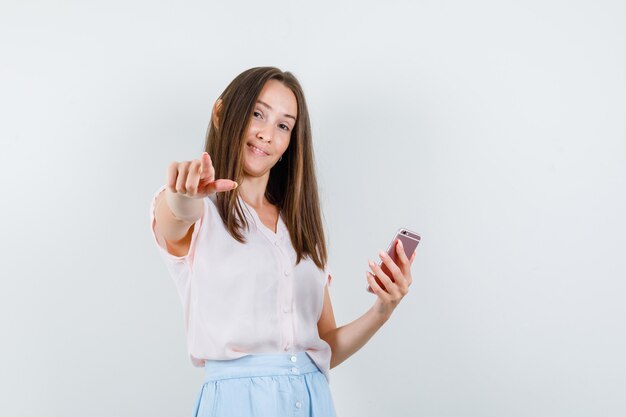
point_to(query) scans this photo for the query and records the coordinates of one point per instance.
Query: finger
(404, 261)
(171, 176)
(376, 289)
(193, 178)
(384, 278)
(206, 168)
(183, 170)
(397, 275)
(378, 281)
(219, 186)
(411, 263)
(389, 263)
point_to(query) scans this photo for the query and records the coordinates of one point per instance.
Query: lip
(253, 148)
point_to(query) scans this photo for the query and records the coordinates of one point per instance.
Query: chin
(253, 170)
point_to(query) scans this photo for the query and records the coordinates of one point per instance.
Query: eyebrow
(270, 107)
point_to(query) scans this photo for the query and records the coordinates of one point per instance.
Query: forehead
(279, 97)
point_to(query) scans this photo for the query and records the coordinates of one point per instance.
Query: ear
(217, 109)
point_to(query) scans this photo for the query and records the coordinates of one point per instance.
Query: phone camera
(404, 232)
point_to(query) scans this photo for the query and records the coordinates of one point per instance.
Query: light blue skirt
(264, 385)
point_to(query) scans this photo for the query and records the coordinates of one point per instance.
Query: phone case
(409, 240)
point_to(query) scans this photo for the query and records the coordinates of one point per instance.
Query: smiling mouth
(256, 150)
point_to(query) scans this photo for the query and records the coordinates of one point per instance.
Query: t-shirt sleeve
(177, 265)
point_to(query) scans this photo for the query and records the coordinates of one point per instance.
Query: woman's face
(272, 120)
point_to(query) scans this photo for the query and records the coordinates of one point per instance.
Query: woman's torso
(243, 298)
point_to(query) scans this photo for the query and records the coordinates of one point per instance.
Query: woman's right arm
(176, 230)
(180, 206)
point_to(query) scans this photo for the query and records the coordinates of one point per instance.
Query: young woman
(241, 232)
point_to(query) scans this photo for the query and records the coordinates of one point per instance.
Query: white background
(495, 129)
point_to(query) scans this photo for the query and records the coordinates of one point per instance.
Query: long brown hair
(292, 184)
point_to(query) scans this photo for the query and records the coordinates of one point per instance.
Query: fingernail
(400, 243)
(382, 254)
(370, 263)
(236, 185)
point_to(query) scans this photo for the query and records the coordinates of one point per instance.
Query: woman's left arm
(344, 341)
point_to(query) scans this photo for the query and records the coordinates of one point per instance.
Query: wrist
(184, 208)
(381, 311)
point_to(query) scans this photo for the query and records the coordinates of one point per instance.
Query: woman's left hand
(397, 288)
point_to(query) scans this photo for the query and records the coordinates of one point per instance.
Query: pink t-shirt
(244, 298)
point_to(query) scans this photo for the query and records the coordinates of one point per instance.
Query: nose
(264, 134)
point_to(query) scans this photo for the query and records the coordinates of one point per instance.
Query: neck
(252, 190)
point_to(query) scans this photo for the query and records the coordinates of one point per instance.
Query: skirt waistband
(259, 364)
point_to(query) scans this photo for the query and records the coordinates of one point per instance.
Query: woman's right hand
(196, 178)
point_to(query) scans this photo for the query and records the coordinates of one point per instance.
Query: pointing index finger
(205, 164)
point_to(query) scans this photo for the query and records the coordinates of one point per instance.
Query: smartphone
(409, 240)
